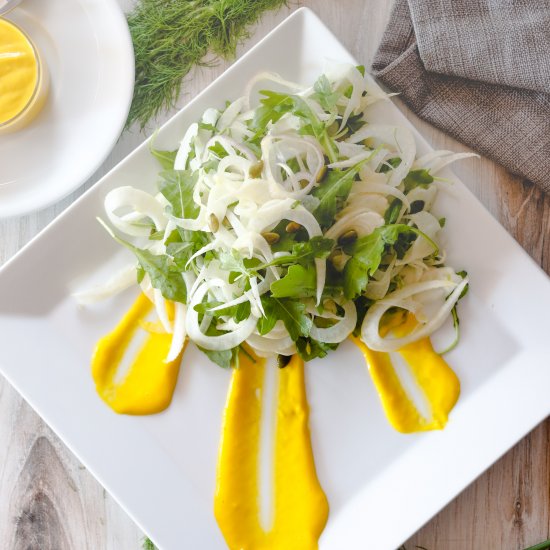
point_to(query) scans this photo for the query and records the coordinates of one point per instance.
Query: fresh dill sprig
(148, 544)
(172, 36)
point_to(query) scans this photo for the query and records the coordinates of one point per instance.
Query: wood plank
(48, 501)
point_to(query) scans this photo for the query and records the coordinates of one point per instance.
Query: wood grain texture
(48, 501)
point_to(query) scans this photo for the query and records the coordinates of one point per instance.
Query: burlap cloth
(480, 71)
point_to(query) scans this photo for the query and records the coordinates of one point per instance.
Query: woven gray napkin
(480, 71)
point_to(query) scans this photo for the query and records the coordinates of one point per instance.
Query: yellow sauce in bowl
(23, 78)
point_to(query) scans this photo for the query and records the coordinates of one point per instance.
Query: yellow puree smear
(300, 506)
(149, 384)
(18, 71)
(435, 378)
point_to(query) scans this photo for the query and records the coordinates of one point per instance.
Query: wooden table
(48, 501)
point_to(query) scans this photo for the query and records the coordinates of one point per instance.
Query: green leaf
(219, 150)
(148, 544)
(177, 187)
(292, 314)
(390, 164)
(324, 94)
(238, 312)
(403, 243)
(183, 248)
(232, 261)
(333, 192)
(417, 177)
(299, 282)
(317, 247)
(392, 212)
(164, 275)
(223, 359)
(165, 158)
(267, 322)
(309, 349)
(206, 126)
(366, 254)
(273, 106)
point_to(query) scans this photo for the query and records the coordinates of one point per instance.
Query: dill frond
(172, 36)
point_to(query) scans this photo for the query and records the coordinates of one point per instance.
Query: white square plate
(381, 485)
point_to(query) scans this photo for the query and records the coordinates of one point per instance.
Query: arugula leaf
(417, 177)
(232, 261)
(165, 158)
(163, 273)
(366, 255)
(309, 349)
(292, 314)
(317, 247)
(148, 544)
(183, 248)
(390, 164)
(218, 149)
(324, 94)
(238, 312)
(274, 105)
(266, 323)
(299, 282)
(333, 192)
(392, 212)
(177, 187)
(403, 243)
(206, 126)
(224, 359)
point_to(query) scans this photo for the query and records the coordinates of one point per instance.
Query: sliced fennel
(286, 221)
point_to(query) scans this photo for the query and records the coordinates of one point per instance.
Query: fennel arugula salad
(288, 222)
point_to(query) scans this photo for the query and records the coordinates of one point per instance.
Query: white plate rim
(409, 525)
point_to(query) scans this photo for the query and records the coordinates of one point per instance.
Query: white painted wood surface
(48, 501)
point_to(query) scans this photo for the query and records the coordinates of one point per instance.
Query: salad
(288, 222)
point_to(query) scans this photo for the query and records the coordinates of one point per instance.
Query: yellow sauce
(434, 377)
(149, 384)
(22, 78)
(300, 506)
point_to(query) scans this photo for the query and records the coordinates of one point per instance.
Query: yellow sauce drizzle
(300, 505)
(437, 380)
(149, 384)
(18, 71)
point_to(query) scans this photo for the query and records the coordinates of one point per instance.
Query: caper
(271, 237)
(369, 142)
(348, 237)
(292, 227)
(339, 260)
(255, 171)
(213, 223)
(322, 173)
